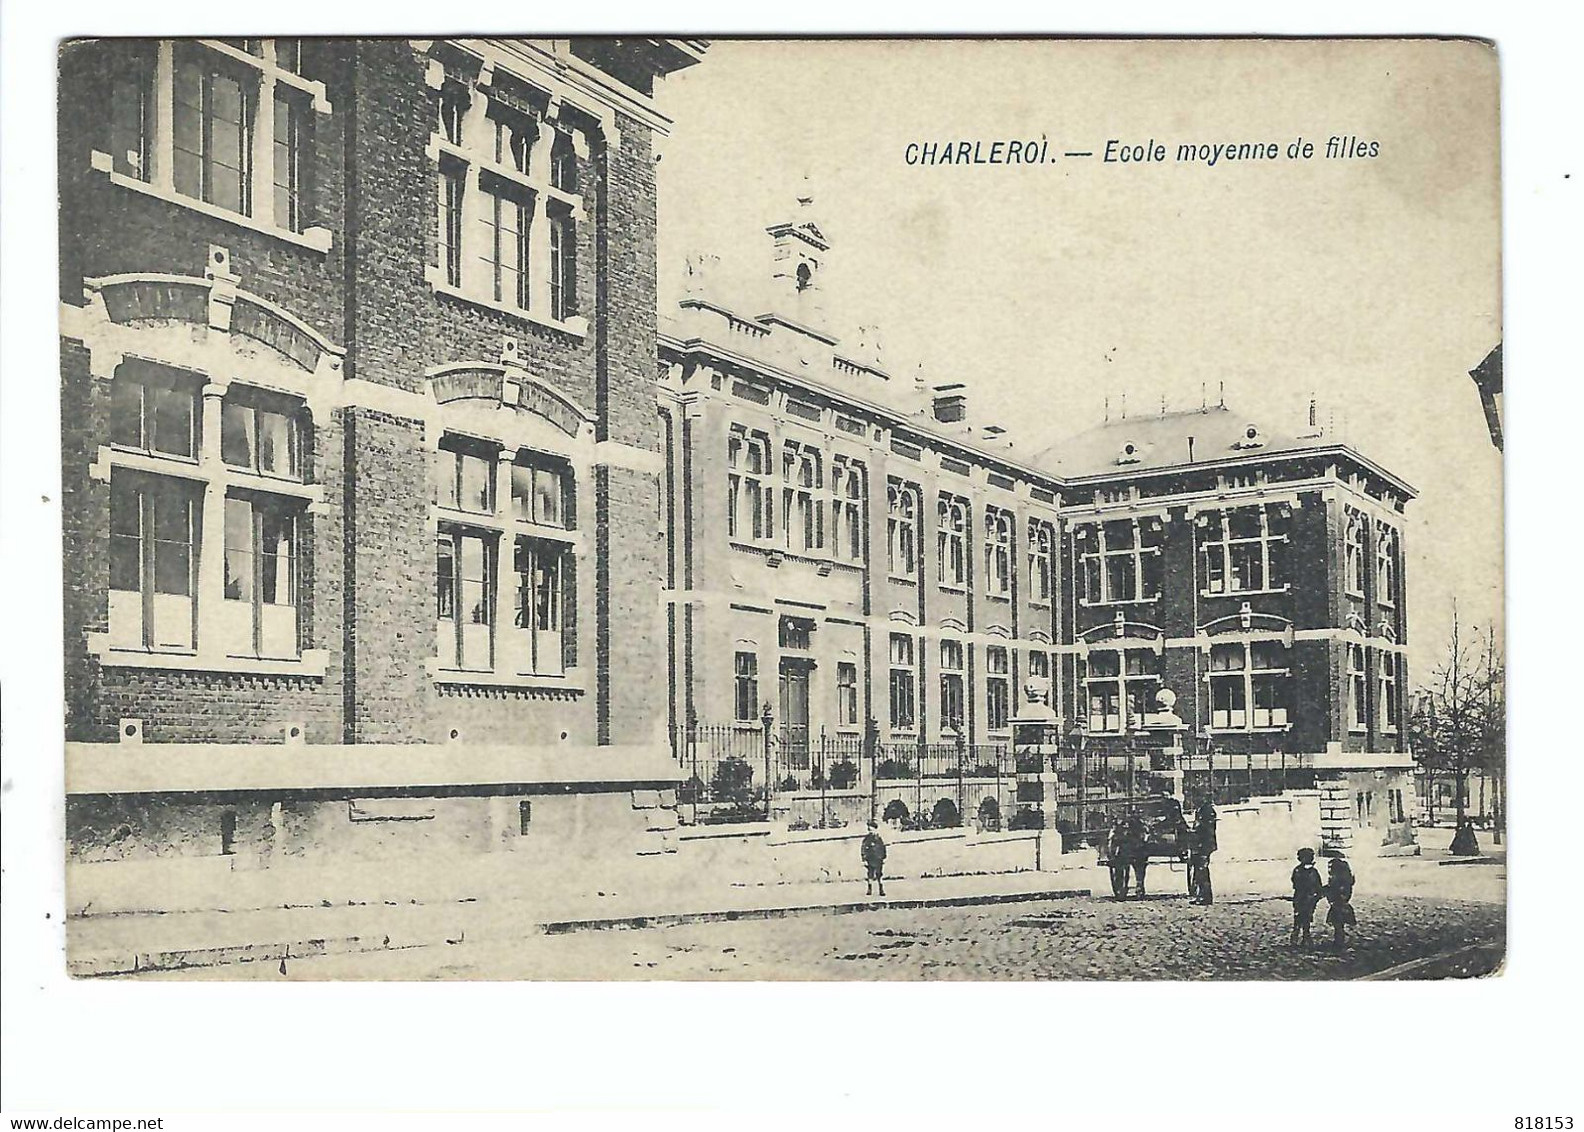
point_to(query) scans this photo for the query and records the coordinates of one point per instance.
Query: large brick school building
(381, 534)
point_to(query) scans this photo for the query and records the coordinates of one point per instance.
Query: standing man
(1136, 840)
(1117, 857)
(1204, 844)
(873, 852)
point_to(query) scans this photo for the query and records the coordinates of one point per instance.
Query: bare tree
(1459, 724)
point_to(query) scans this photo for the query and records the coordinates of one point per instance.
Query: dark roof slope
(1131, 445)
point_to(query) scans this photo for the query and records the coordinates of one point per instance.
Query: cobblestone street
(1162, 937)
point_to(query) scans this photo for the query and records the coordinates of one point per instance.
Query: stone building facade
(359, 459)
(853, 553)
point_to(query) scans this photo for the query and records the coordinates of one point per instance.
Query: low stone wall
(762, 854)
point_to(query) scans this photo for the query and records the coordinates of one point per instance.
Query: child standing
(1339, 893)
(1307, 887)
(873, 852)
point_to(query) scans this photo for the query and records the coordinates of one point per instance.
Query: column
(263, 172)
(508, 641)
(211, 538)
(163, 150)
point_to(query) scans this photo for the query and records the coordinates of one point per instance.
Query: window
(802, 513)
(524, 817)
(514, 138)
(521, 254)
(453, 111)
(464, 598)
(749, 498)
(1385, 565)
(563, 263)
(901, 529)
(503, 247)
(196, 122)
(536, 568)
(1354, 553)
(1391, 702)
(1244, 674)
(951, 542)
(541, 492)
(1121, 687)
(153, 562)
(1041, 540)
(904, 702)
(1394, 806)
(212, 116)
(290, 168)
(542, 607)
(1358, 689)
(953, 704)
(465, 477)
(260, 607)
(747, 686)
(998, 552)
(1240, 550)
(1120, 562)
(846, 694)
(261, 438)
(997, 688)
(1039, 664)
(453, 178)
(155, 412)
(563, 162)
(847, 494)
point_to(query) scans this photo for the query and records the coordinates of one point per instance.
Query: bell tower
(797, 264)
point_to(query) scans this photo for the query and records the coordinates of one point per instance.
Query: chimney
(949, 405)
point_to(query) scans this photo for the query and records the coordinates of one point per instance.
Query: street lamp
(766, 717)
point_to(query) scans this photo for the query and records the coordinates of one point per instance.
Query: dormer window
(805, 277)
(1251, 438)
(1128, 454)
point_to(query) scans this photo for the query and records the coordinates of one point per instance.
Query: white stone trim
(615, 454)
(316, 239)
(310, 663)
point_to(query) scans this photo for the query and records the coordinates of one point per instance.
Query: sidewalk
(123, 943)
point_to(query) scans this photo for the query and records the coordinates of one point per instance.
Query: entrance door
(795, 714)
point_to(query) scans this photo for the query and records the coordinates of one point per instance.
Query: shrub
(843, 775)
(790, 782)
(732, 779)
(1029, 817)
(894, 768)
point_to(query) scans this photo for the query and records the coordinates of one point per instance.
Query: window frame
(903, 683)
(1220, 548)
(902, 513)
(998, 688)
(1125, 684)
(999, 531)
(1249, 683)
(953, 686)
(951, 542)
(1140, 557)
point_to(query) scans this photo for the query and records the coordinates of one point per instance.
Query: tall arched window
(1354, 557)
(749, 499)
(1040, 539)
(802, 513)
(951, 542)
(847, 487)
(902, 529)
(998, 552)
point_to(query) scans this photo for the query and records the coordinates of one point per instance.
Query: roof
(1130, 445)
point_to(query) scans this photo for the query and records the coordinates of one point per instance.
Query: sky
(1054, 289)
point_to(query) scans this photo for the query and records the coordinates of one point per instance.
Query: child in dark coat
(1307, 887)
(1339, 893)
(873, 852)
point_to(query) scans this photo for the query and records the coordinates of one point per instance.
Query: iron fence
(726, 769)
